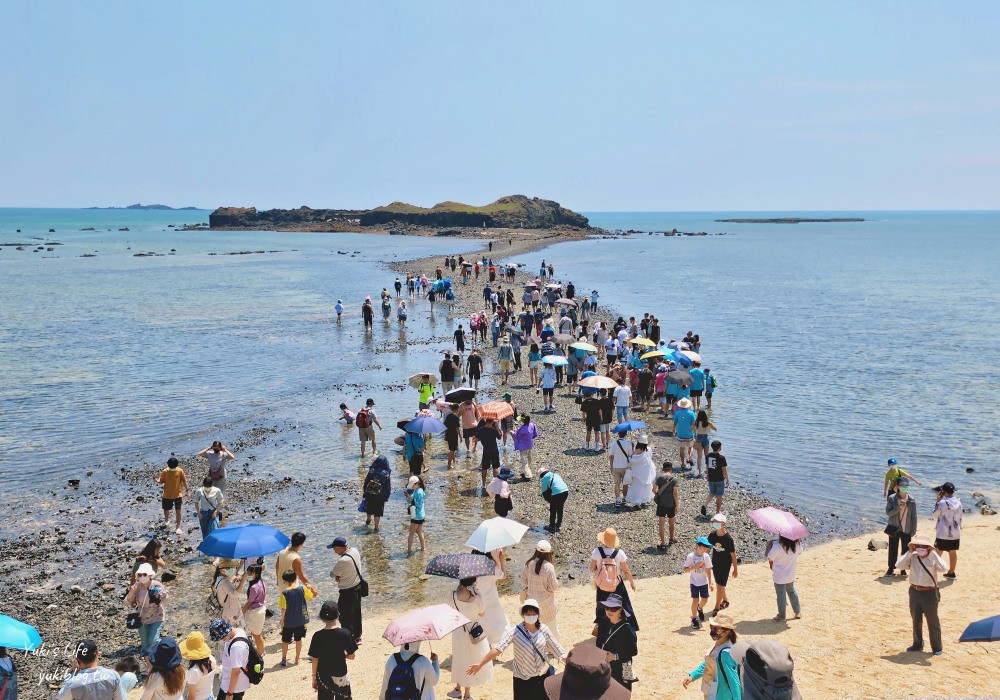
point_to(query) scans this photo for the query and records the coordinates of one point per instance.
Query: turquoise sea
(835, 345)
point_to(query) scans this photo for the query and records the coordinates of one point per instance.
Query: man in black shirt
(644, 388)
(447, 371)
(487, 435)
(723, 559)
(474, 367)
(607, 405)
(666, 496)
(460, 339)
(718, 477)
(452, 425)
(591, 409)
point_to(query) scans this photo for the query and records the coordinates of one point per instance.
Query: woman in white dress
(495, 621)
(539, 581)
(465, 651)
(642, 472)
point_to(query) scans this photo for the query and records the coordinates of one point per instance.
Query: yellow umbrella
(643, 341)
(584, 346)
(653, 353)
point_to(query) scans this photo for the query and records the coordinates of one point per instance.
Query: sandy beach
(849, 643)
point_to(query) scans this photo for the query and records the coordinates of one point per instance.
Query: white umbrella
(496, 533)
(691, 355)
(599, 382)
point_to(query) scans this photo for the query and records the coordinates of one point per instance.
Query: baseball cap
(337, 542)
(892, 461)
(86, 650)
(719, 518)
(370, 402)
(329, 611)
(946, 487)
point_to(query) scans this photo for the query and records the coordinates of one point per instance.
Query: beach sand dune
(849, 643)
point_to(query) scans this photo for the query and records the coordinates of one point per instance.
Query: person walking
(666, 496)
(495, 620)
(474, 367)
(524, 443)
(642, 471)
(948, 528)
(623, 401)
(167, 675)
(460, 339)
(902, 512)
(175, 485)
(783, 557)
(503, 499)
(368, 314)
(702, 443)
(208, 502)
(218, 456)
(547, 383)
(617, 638)
(724, 560)
(447, 371)
(534, 647)
(467, 650)
(227, 590)
(717, 472)
(233, 681)
(505, 355)
(539, 582)
(147, 596)
(468, 412)
(684, 419)
(377, 488)
(347, 573)
(925, 595)
(892, 475)
(330, 649)
(294, 606)
(619, 454)
(452, 432)
(488, 435)
(719, 672)
(609, 567)
(202, 666)
(401, 313)
(366, 420)
(416, 496)
(555, 492)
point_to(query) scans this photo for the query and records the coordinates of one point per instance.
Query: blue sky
(599, 105)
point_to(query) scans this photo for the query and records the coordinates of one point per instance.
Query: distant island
(159, 207)
(792, 220)
(447, 218)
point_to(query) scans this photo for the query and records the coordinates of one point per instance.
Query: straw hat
(609, 538)
(194, 648)
(227, 563)
(921, 541)
(723, 621)
(685, 403)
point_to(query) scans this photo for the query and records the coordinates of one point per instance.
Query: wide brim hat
(921, 541)
(609, 538)
(723, 621)
(685, 403)
(225, 563)
(587, 677)
(194, 648)
(165, 654)
(145, 569)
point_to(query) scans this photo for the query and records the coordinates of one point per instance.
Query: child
(346, 415)
(699, 565)
(128, 670)
(339, 308)
(174, 485)
(294, 615)
(710, 385)
(503, 501)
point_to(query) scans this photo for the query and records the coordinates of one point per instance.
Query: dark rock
(167, 576)
(969, 470)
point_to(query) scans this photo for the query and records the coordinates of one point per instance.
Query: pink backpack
(608, 574)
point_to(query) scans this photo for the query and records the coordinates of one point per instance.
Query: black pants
(349, 603)
(556, 504)
(901, 538)
(517, 361)
(530, 689)
(236, 696)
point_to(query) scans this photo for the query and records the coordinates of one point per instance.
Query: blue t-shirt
(534, 356)
(548, 378)
(418, 504)
(555, 481)
(698, 375)
(682, 392)
(670, 389)
(684, 420)
(339, 308)
(413, 443)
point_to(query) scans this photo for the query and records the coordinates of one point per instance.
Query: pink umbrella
(443, 406)
(778, 522)
(432, 622)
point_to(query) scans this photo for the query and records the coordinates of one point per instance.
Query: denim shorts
(699, 591)
(716, 488)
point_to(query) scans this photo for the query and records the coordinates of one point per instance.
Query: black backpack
(254, 669)
(373, 489)
(765, 669)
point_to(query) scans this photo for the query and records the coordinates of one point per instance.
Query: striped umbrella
(496, 410)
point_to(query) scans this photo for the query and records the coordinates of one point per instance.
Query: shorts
(685, 441)
(534, 364)
(289, 634)
(475, 375)
(721, 573)
(697, 392)
(414, 521)
(645, 395)
(942, 544)
(708, 394)
(452, 440)
(717, 488)
(375, 507)
(696, 591)
(622, 412)
(366, 433)
(491, 460)
(548, 392)
(255, 620)
(468, 433)
(606, 427)
(593, 425)
(702, 440)
(172, 503)
(666, 511)
(504, 365)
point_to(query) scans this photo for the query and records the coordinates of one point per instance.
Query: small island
(789, 220)
(443, 219)
(156, 207)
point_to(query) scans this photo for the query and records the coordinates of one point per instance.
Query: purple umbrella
(778, 522)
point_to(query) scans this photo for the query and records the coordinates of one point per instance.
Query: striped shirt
(531, 659)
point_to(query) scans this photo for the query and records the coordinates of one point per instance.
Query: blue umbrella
(242, 541)
(987, 630)
(628, 425)
(558, 360)
(424, 425)
(15, 634)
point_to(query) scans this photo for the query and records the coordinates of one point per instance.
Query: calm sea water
(834, 345)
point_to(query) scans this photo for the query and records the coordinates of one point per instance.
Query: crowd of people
(612, 373)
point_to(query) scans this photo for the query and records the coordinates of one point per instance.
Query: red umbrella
(496, 410)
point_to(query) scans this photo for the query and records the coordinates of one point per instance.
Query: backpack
(362, 420)
(765, 669)
(373, 489)
(402, 682)
(714, 383)
(608, 574)
(254, 669)
(212, 604)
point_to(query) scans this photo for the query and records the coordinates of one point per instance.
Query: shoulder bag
(527, 638)
(475, 630)
(363, 586)
(937, 588)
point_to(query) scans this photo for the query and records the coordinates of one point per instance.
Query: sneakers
(695, 623)
(662, 547)
(889, 573)
(455, 694)
(701, 614)
(527, 473)
(951, 575)
(915, 647)
(938, 652)
(284, 663)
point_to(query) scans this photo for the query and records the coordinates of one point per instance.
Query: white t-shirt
(202, 682)
(597, 556)
(234, 657)
(611, 345)
(699, 577)
(623, 395)
(620, 455)
(783, 569)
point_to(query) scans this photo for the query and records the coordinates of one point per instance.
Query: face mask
(717, 526)
(922, 551)
(530, 619)
(904, 489)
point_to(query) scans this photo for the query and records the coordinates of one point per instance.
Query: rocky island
(788, 220)
(446, 218)
(150, 207)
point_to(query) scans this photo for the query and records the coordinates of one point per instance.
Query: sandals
(724, 605)
(778, 618)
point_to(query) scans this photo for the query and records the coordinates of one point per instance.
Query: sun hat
(703, 541)
(609, 538)
(544, 546)
(505, 473)
(165, 654)
(219, 629)
(587, 677)
(719, 518)
(643, 439)
(146, 569)
(615, 601)
(543, 470)
(921, 540)
(723, 621)
(685, 403)
(226, 563)
(194, 648)
(530, 603)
